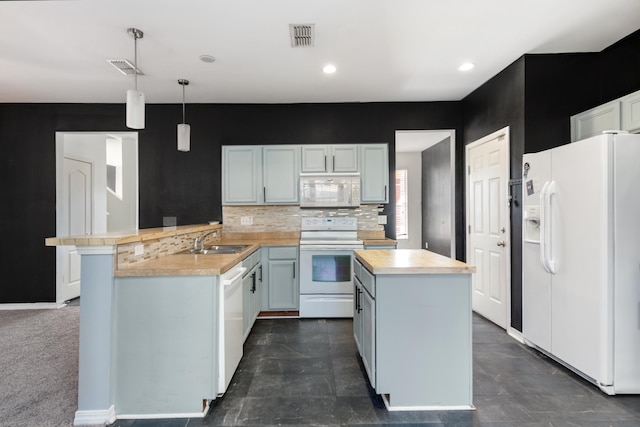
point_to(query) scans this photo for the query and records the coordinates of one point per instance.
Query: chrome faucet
(198, 242)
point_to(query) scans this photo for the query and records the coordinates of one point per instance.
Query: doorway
(425, 206)
(489, 241)
(96, 192)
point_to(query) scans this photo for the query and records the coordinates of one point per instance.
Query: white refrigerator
(581, 258)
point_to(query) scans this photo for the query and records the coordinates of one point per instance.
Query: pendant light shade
(135, 109)
(184, 137)
(184, 130)
(135, 98)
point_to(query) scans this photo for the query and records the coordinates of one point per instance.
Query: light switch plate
(138, 250)
(382, 219)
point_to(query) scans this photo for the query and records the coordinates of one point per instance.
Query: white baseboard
(516, 335)
(30, 306)
(390, 408)
(95, 417)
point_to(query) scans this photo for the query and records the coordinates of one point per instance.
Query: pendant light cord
(183, 105)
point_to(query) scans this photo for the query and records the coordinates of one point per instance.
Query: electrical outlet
(169, 221)
(426, 245)
(246, 220)
(382, 219)
(139, 250)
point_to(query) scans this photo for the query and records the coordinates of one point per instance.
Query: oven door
(326, 271)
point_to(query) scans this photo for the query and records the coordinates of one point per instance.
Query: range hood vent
(302, 35)
(125, 67)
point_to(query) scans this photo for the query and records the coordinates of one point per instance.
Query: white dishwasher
(230, 325)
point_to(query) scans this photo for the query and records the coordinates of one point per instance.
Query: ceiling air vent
(302, 35)
(124, 66)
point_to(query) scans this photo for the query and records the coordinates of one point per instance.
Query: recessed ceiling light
(466, 66)
(329, 69)
(207, 58)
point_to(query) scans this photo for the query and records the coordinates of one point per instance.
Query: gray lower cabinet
(282, 278)
(364, 327)
(166, 344)
(413, 332)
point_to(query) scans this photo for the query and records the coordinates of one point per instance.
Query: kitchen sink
(217, 250)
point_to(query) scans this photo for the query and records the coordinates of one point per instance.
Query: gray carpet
(38, 367)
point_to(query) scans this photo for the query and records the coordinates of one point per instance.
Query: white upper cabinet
(593, 122)
(280, 173)
(619, 114)
(242, 175)
(631, 112)
(374, 173)
(329, 158)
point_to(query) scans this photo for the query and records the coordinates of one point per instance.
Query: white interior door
(77, 195)
(488, 240)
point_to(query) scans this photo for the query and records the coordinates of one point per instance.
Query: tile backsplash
(288, 218)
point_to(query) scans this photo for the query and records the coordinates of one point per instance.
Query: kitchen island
(412, 326)
(149, 320)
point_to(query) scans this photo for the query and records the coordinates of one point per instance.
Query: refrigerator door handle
(543, 227)
(551, 264)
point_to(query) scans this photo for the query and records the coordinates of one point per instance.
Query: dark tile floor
(306, 372)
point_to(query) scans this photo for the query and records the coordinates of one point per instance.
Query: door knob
(502, 243)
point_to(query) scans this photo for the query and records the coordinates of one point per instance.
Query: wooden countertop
(131, 236)
(410, 261)
(200, 265)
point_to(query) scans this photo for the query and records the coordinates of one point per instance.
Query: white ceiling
(385, 50)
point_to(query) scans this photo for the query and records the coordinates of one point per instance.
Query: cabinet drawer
(283, 253)
(357, 268)
(251, 260)
(368, 281)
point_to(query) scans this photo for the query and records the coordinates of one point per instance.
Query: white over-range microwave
(329, 190)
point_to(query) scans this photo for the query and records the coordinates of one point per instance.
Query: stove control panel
(331, 223)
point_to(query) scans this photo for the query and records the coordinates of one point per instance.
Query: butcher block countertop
(410, 261)
(200, 265)
(186, 265)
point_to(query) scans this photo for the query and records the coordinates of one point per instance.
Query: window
(402, 217)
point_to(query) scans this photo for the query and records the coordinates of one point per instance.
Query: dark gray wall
(436, 198)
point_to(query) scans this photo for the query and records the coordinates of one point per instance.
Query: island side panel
(424, 339)
(166, 344)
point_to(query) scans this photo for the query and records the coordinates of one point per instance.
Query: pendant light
(184, 130)
(135, 98)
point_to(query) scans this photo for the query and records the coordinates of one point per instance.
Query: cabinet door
(256, 294)
(247, 283)
(357, 313)
(344, 158)
(368, 335)
(596, 120)
(315, 158)
(280, 176)
(631, 112)
(241, 175)
(374, 170)
(283, 289)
